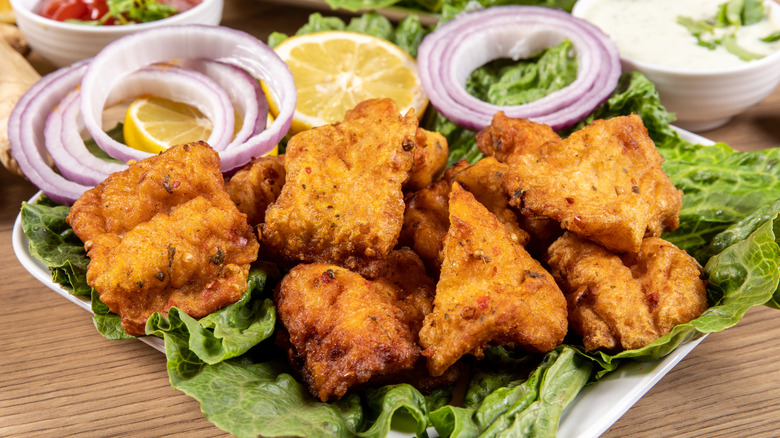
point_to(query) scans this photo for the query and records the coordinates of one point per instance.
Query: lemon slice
(6, 12)
(154, 124)
(336, 70)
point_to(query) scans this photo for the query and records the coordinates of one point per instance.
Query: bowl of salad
(66, 31)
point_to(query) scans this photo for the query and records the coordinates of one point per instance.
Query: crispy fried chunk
(345, 330)
(490, 291)
(430, 158)
(604, 182)
(165, 233)
(626, 303)
(342, 202)
(508, 137)
(255, 186)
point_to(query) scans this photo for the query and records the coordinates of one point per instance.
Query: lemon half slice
(336, 70)
(154, 124)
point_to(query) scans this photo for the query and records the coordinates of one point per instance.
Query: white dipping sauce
(647, 30)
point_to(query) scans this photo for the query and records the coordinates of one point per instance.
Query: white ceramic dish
(65, 43)
(591, 413)
(706, 99)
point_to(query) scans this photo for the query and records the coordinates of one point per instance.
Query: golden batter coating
(146, 188)
(430, 158)
(484, 179)
(342, 201)
(491, 291)
(165, 233)
(622, 304)
(507, 137)
(604, 182)
(255, 186)
(426, 221)
(196, 259)
(345, 330)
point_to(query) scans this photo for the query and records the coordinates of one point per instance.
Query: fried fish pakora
(426, 219)
(196, 259)
(430, 158)
(491, 291)
(484, 179)
(507, 137)
(604, 182)
(255, 186)
(186, 244)
(148, 187)
(342, 202)
(345, 330)
(621, 304)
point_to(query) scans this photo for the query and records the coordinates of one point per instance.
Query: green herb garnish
(730, 16)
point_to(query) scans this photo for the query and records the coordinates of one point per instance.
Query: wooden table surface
(59, 377)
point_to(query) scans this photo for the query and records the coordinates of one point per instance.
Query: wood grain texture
(59, 377)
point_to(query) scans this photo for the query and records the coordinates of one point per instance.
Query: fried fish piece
(604, 182)
(255, 186)
(342, 201)
(491, 291)
(146, 188)
(426, 219)
(430, 159)
(345, 331)
(196, 258)
(484, 179)
(165, 233)
(626, 303)
(507, 137)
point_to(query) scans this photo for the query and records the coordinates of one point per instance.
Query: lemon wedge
(336, 70)
(154, 124)
(6, 12)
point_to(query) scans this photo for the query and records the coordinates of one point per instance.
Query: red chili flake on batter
(308, 170)
(483, 301)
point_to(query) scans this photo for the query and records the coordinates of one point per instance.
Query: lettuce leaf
(229, 332)
(527, 407)
(721, 187)
(407, 35)
(251, 399)
(54, 243)
(449, 7)
(512, 82)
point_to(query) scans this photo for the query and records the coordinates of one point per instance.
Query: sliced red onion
(244, 92)
(447, 57)
(110, 67)
(63, 134)
(67, 148)
(25, 133)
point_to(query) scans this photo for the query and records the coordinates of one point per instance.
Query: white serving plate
(595, 409)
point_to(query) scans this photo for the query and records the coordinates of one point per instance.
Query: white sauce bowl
(65, 43)
(706, 99)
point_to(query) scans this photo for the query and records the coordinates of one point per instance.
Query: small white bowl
(65, 43)
(706, 99)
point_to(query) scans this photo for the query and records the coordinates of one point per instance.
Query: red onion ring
(67, 148)
(109, 67)
(244, 91)
(25, 133)
(447, 56)
(237, 61)
(63, 138)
